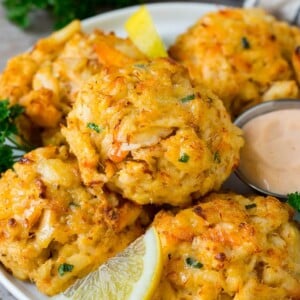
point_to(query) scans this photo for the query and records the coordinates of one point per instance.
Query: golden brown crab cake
(296, 62)
(152, 135)
(230, 247)
(243, 55)
(46, 79)
(52, 229)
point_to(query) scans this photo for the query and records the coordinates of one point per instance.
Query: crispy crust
(48, 218)
(243, 55)
(46, 79)
(151, 118)
(248, 248)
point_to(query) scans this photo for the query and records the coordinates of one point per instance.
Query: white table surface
(14, 40)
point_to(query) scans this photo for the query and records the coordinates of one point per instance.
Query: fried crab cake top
(46, 79)
(243, 55)
(230, 247)
(151, 135)
(52, 229)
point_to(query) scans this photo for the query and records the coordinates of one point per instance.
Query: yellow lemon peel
(141, 30)
(132, 274)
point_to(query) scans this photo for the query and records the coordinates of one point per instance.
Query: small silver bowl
(255, 111)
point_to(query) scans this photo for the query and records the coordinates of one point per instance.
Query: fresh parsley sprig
(12, 146)
(63, 11)
(294, 200)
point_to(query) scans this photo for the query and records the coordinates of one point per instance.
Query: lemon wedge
(133, 274)
(142, 32)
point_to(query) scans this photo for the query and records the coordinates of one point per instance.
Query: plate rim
(151, 6)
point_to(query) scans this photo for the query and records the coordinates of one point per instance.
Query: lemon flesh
(143, 34)
(133, 274)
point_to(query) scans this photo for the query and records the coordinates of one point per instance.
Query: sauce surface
(270, 158)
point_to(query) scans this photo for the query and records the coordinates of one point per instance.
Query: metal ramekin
(258, 110)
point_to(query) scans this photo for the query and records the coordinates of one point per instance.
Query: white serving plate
(171, 19)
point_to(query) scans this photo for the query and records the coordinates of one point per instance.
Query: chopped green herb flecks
(249, 206)
(184, 158)
(217, 157)
(245, 43)
(193, 263)
(294, 200)
(94, 127)
(64, 268)
(188, 98)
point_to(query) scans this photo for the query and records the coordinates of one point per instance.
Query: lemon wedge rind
(152, 274)
(133, 274)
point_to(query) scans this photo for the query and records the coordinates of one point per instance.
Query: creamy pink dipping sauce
(270, 158)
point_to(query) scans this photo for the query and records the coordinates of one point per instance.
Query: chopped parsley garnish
(294, 200)
(94, 127)
(193, 263)
(184, 158)
(217, 157)
(188, 98)
(10, 141)
(245, 43)
(64, 268)
(249, 206)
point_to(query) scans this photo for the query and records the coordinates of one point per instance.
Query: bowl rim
(256, 111)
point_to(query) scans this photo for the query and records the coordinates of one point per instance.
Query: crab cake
(152, 135)
(243, 55)
(230, 247)
(46, 79)
(52, 229)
